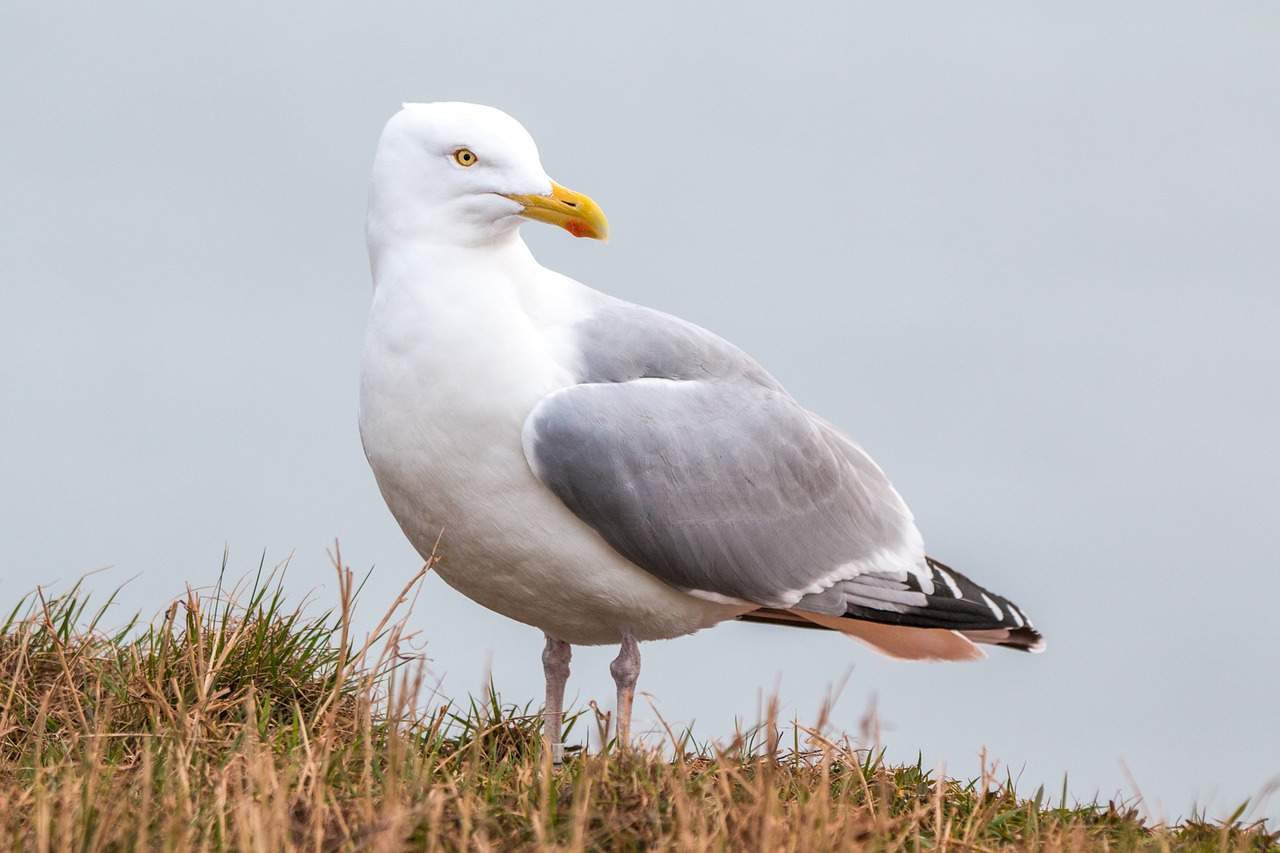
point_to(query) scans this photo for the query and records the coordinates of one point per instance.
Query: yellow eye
(464, 157)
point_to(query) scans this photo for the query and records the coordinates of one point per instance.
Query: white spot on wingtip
(950, 582)
(924, 578)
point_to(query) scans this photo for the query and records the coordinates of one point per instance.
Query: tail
(939, 615)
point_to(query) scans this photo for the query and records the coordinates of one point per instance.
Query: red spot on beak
(577, 229)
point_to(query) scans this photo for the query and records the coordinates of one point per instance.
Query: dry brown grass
(234, 723)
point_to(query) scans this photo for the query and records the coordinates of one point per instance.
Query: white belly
(440, 418)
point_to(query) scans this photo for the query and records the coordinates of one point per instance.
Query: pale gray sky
(1027, 254)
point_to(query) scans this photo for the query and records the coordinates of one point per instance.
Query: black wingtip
(1024, 639)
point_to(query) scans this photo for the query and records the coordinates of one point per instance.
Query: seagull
(605, 472)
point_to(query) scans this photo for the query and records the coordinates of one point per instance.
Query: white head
(464, 174)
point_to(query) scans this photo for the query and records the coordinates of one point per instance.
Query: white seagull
(603, 471)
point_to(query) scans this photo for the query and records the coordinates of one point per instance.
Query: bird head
(465, 174)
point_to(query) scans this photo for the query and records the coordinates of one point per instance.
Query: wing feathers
(693, 463)
(944, 599)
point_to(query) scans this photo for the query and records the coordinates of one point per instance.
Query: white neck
(397, 259)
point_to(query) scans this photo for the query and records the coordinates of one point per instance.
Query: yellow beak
(572, 211)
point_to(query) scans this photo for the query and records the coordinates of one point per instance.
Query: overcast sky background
(1029, 255)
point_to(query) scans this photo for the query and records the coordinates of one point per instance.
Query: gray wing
(693, 463)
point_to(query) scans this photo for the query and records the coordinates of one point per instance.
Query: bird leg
(555, 665)
(625, 670)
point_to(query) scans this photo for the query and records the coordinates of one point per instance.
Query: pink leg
(625, 670)
(555, 665)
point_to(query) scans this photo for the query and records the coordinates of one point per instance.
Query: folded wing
(692, 463)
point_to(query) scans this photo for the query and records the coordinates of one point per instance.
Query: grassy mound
(236, 723)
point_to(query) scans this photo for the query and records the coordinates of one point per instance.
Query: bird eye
(464, 157)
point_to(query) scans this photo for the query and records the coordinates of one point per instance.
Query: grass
(236, 722)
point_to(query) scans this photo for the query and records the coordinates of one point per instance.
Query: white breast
(453, 364)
